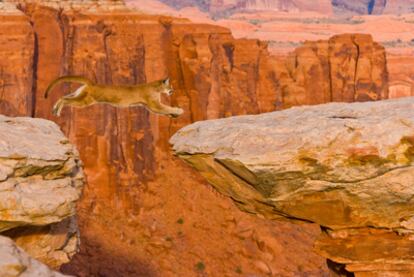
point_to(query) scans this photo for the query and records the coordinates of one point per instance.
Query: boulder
(41, 179)
(37, 162)
(343, 166)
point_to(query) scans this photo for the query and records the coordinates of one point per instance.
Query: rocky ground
(346, 167)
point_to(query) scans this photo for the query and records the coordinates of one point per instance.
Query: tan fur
(148, 95)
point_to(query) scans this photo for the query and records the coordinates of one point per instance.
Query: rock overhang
(339, 165)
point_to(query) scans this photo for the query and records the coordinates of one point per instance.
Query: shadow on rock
(94, 260)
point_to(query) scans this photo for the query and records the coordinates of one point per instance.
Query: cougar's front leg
(176, 111)
(165, 110)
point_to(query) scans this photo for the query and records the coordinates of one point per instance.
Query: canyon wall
(345, 68)
(399, 7)
(143, 210)
(345, 7)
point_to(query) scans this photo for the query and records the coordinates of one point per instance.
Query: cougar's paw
(176, 113)
(56, 110)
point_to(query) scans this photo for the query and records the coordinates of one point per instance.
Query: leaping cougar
(148, 95)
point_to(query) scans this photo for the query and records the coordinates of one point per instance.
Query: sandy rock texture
(345, 68)
(131, 173)
(41, 180)
(32, 169)
(346, 167)
(53, 244)
(141, 202)
(15, 262)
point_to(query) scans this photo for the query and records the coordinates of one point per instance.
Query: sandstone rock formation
(347, 167)
(131, 174)
(53, 244)
(399, 6)
(32, 169)
(346, 68)
(127, 159)
(343, 7)
(15, 262)
(41, 180)
(103, 5)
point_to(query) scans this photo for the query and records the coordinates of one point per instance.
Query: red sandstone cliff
(143, 211)
(345, 68)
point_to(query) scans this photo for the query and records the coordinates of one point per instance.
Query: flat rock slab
(14, 262)
(339, 165)
(41, 176)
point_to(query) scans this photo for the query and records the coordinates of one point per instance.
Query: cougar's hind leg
(78, 98)
(57, 108)
(77, 94)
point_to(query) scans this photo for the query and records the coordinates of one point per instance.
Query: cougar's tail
(72, 79)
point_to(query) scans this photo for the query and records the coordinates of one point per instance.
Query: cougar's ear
(166, 81)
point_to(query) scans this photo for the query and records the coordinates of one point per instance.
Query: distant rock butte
(344, 7)
(347, 167)
(345, 68)
(228, 6)
(339, 7)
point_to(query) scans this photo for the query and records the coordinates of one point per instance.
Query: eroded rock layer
(14, 262)
(33, 168)
(131, 173)
(345, 68)
(41, 180)
(347, 167)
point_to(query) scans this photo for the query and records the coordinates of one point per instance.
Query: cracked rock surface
(14, 262)
(36, 162)
(41, 179)
(343, 166)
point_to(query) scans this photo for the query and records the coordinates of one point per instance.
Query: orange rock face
(144, 212)
(345, 68)
(16, 63)
(374, 252)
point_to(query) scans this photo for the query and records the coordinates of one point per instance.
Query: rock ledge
(347, 167)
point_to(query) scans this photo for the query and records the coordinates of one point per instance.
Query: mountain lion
(148, 95)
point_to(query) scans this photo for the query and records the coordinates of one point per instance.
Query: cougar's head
(166, 87)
